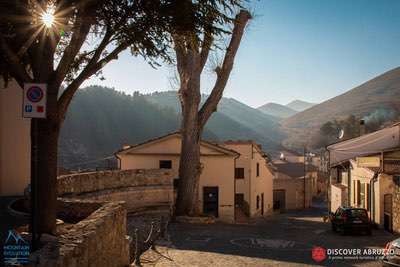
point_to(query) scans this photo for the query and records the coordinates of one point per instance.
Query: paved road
(284, 239)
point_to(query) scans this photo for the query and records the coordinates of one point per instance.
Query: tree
(193, 42)
(51, 42)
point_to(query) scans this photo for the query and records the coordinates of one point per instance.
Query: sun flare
(48, 17)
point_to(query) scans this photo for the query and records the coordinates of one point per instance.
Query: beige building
(253, 179)
(365, 172)
(291, 190)
(14, 141)
(217, 183)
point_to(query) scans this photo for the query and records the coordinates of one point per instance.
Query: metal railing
(144, 242)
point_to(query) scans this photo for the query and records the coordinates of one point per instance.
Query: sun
(47, 17)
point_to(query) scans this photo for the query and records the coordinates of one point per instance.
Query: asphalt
(283, 239)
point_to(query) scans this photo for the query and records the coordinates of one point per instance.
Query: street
(283, 239)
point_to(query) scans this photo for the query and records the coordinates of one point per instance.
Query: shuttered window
(239, 173)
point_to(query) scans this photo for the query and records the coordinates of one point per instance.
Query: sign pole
(34, 177)
(34, 106)
(305, 174)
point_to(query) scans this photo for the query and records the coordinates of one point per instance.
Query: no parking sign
(35, 97)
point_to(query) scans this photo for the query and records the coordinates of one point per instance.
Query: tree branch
(223, 73)
(77, 40)
(205, 49)
(180, 51)
(113, 55)
(90, 69)
(20, 74)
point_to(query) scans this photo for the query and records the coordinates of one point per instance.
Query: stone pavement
(283, 239)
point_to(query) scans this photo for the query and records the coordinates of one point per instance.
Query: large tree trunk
(44, 145)
(190, 63)
(190, 166)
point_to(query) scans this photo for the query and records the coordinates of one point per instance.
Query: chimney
(362, 127)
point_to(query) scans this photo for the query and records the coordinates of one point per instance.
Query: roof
(160, 138)
(372, 143)
(291, 153)
(247, 142)
(292, 169)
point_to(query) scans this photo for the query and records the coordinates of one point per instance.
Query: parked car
(349, 220)
(392, 254)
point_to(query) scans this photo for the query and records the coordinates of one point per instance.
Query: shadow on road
(286, 238)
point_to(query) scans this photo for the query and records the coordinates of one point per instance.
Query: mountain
(378, 97)
(101, 120)
(299, 105)
(236, 120)
(277, 110)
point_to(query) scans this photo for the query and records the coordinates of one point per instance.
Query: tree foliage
(85, 36)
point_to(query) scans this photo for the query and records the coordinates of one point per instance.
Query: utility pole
(305, 173)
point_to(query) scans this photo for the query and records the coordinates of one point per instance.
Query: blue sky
(310, 49)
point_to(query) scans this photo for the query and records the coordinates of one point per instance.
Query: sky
(310, 50)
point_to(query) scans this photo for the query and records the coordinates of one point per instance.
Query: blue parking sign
(28, 108)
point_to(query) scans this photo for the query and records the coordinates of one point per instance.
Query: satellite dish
(341, 134)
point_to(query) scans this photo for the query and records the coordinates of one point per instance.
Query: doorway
(388, 210)
(239, 200)
(279, 200)
(262, 203)
(210, 200)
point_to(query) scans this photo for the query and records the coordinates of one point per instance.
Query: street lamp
(307, 156)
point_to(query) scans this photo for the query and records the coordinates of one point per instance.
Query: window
(176, 183)
(396, 180)
(165, 164)
(345, 177)
(362, 196)
(358, 213)
(239, 173)
(354, 192)
(358, 189)
(258, 169)
(368, 197)
(258, 202)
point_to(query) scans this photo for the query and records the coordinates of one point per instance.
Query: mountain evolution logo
(16, 249)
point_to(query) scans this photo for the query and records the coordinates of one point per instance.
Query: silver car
(392, 254)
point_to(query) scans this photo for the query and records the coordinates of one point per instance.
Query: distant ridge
(300, 105)
(101, 120)
(378, 94)
(277, 110)
(233, 120)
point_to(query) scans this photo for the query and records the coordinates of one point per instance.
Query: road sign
(35, 97)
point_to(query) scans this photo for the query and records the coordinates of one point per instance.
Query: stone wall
(98, 240)
(94, 208)
(396, 207)
(139, 189)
